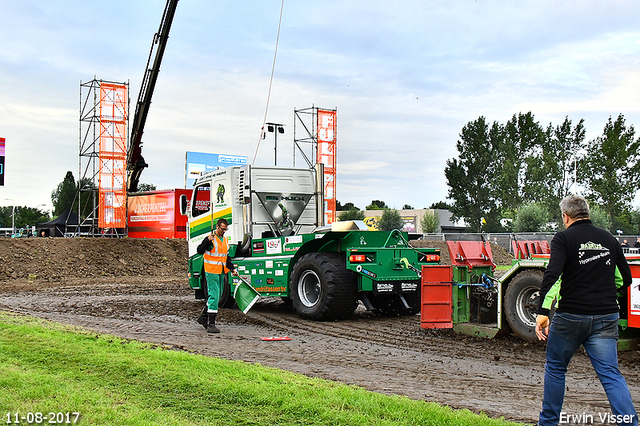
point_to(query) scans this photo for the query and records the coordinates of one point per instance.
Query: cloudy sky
(405, 77)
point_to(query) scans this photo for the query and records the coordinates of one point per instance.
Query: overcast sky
(405, 77)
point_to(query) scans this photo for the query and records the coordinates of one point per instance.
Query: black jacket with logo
(586, 256)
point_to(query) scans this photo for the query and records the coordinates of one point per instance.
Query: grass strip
(50, 368)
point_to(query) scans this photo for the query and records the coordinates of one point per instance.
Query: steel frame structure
(307, 119)
(88, 159)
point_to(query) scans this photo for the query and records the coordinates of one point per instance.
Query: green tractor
(282, 248)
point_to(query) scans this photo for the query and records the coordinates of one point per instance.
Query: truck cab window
(201, 200)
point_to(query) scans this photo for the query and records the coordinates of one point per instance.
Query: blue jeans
(599, 335)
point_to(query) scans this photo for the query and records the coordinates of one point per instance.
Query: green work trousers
(214, 290)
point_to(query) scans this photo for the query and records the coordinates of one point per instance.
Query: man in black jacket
(587, 310)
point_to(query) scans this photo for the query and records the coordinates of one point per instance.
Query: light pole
(275, 129)
(13, 216)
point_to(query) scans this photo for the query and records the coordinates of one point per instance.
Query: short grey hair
(575, 206)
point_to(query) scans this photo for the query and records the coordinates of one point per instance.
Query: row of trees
(502, 169)
(24, 216)
(62, 198)
(65, 196)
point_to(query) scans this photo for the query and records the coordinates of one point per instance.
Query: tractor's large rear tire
(521, 303)
(226, 298)
(322, 288)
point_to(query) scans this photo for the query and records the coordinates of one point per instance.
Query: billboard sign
(113, 154)
(408, 223)
(156, 214)
(199, 163)
(2, 142)
(327, 137)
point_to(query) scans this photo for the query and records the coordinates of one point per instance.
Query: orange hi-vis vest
(215, 261)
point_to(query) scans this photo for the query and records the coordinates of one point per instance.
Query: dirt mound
(53, 259)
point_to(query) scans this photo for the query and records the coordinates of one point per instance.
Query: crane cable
(273, 69)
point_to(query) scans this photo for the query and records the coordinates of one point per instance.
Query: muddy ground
(137, 289)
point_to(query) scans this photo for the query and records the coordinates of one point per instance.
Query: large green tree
(518, 153)
(351, 214)
(430, 222)
(87, 196)
(560, 161)
(143, 187)
(531, 217)
(610, 168)
(345, 207)
(472, 175)
(69, 194)
(390, 220)
(376, 205)
(62, 197)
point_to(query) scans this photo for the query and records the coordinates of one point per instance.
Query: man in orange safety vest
(217, 264)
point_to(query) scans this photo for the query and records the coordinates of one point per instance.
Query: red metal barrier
(634, 297)
(470, 253)
(436, 310)
(526, 249)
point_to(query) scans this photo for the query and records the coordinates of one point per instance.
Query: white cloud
(405, 79)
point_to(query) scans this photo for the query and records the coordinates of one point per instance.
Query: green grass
(46, 367)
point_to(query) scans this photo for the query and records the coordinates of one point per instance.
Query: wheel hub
(527, 305)
(309, 288)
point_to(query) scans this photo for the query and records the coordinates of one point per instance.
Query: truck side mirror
(184, 203)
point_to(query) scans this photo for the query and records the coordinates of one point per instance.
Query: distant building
(413, 218)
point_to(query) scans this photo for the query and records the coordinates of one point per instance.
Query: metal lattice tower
(87, 198)
(318, 145)
(307, 144)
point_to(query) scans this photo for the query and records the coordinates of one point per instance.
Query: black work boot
(212, 324)
(202, 319)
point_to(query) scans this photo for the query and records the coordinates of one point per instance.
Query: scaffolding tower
(314, 138)
(94, 122)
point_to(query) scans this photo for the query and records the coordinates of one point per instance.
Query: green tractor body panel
(281, 247)
(375, 256)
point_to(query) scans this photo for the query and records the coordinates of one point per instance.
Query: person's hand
(542, 327)
(235, 273)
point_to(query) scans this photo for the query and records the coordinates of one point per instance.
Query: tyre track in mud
(495, 376)
(391, 355)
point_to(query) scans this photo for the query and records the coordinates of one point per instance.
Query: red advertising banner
(2, 142)
(327, 137)
(112, 155)
(157, 214)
